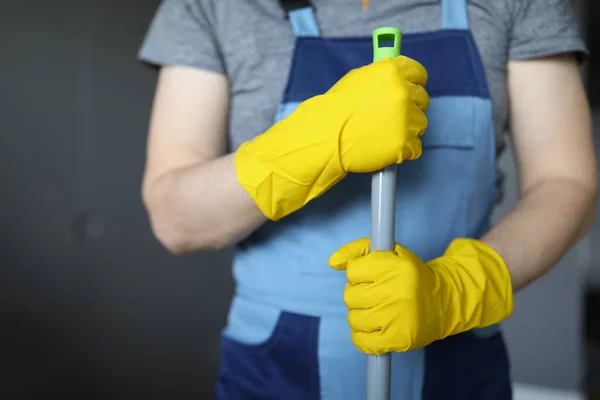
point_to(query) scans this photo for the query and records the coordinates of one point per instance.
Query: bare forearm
(202, 207)
(546, 222)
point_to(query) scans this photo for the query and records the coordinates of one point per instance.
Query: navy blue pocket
(285, 366)
(467, 367)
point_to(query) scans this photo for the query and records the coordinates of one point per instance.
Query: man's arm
(551, 130)
(190, 188)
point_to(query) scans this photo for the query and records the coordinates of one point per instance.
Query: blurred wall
(592, 253)
(92, 306)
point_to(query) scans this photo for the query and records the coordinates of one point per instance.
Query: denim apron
(287, 336)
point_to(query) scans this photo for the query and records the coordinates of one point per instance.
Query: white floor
(528, 392)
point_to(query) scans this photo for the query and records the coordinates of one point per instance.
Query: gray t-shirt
(252, 43)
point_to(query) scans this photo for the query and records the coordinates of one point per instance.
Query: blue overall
(287, 336)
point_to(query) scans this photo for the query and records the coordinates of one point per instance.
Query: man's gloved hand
(398, 303)
(371, 118)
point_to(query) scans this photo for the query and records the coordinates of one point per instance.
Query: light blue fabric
(285, 109)
(455, 14)
(251, 322)
(304, 23)
(447, 193)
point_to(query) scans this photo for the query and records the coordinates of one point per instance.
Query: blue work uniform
(287, 335)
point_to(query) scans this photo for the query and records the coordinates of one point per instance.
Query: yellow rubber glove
(371, 118)
(398, 303)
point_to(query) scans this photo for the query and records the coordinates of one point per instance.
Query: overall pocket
(433, 192)
(268, 354)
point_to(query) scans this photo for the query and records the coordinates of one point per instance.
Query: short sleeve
(182, 32)
(543, 28)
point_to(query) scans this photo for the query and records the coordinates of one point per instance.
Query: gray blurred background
(91, 307)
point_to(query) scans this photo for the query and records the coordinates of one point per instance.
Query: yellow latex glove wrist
(397, 302)
(371, 118)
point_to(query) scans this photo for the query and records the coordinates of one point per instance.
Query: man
(294, 196)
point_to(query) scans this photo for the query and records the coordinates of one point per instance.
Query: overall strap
(302, 17)
(455, 14)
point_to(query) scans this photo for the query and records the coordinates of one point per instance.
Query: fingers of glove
(355, 249)
(417, 121)
(371, 267)
(416, 125)
(411, 150)
(363, 321)
(419, 96)
(366, 295)
(370, 343)
(406, 255)
(412, 70)
(378, 342)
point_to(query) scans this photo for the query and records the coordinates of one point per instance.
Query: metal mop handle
(383, 213)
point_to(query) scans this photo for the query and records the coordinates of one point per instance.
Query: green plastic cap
(386, 43)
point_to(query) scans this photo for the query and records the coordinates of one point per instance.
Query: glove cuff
(289, 165)
(483, 293)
